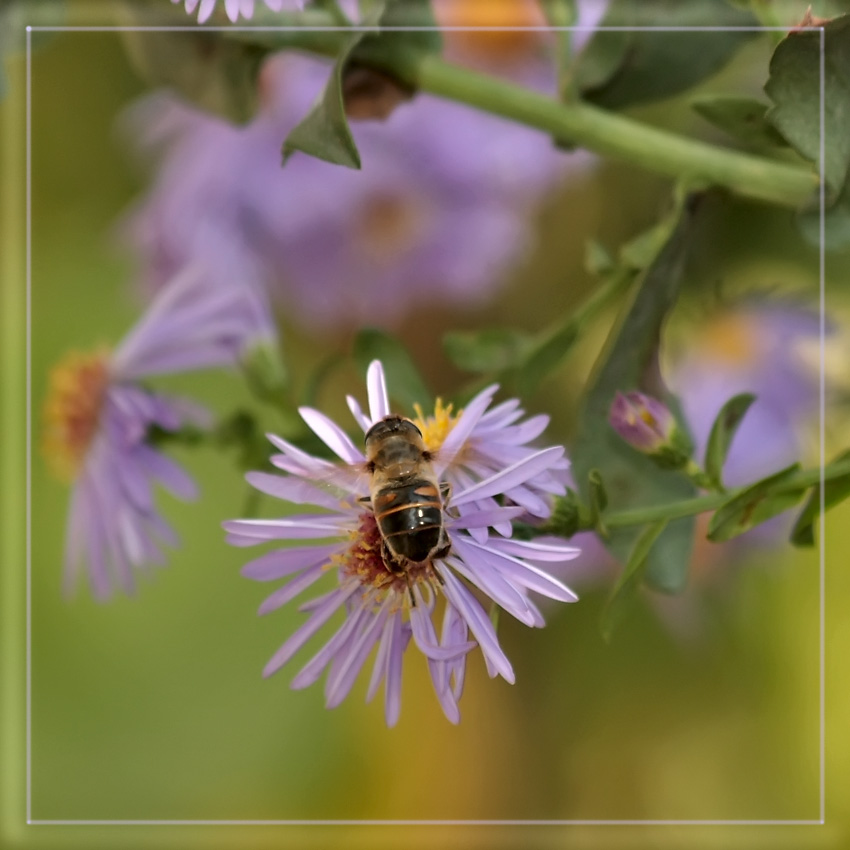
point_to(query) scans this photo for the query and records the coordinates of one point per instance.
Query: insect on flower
(410, 536)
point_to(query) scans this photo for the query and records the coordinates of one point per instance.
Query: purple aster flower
(98, 416)
(234, 8)
(384, 606)
(438, 211)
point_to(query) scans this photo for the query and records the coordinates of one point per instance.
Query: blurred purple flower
(235, 8)
(98, 417)
(438, 210)
(756, 347)
(378, 606)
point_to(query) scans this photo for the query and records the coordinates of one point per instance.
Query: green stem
(702, 504)
(575, 123)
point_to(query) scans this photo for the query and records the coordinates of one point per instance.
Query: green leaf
(794, 88)
(743, 118)
(488, 350)
(722, 432)
(404, 382)
(630, 579)
(623, 68)
(598, 498)
(324, 132)
(217, 74)
(629, 362)
(597, 259)
(834, 491)
(759, 502)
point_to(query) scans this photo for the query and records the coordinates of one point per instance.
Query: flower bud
(647, 425)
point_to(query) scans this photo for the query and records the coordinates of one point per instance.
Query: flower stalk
(574, 123)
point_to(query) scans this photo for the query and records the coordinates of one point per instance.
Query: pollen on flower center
(72, 409)
(435, 428)
(363, 559)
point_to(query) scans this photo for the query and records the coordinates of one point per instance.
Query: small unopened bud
(647, 425)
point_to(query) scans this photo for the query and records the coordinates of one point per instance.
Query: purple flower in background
(98, 417)
(385, 609)
(435, 215)
(758, 347)
(234, 8)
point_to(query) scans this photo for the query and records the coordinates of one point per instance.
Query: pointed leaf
(630, 579)
(324, 132)
(835, 491)
(794, 88)
(619, 69)
(722, 432)
(760, 502)
(629, 362)
(743, 118)
(488, 350)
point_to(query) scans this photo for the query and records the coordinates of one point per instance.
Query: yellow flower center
(489, 46)
(730, 339)
(435, 428)
(72, 408)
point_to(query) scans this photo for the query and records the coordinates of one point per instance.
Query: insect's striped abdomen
(410, 517)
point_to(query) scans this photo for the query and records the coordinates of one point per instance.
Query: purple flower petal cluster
(99, 416)
(234, 8)
(439, 209)
(382, 608)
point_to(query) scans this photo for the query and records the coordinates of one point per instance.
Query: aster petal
(537, 551)
(485, 519)
(426, 638)
(170, 474)
(379, 667)
(298, 638)
(284, 562)
(291, 589)
(525, 574)
(478, 622)
(206, 10)
(340, 681)
(292, 527)
(401, 635)
(311, 671)
(358, 414)
(331, 435)
(463, 428)
(376, 388)
(474, 566)
(517, 473)
(290, 489)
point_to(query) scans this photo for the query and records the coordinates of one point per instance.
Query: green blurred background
(153, 707)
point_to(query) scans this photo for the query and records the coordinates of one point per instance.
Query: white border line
(822, 433)
(28, 358)
(822, 413)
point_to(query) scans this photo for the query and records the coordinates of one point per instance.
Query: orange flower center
(488, 46)
(730, 339)
(72, 409)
